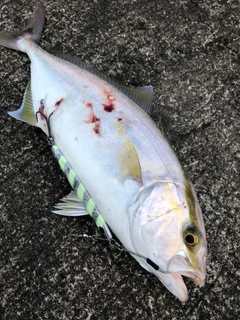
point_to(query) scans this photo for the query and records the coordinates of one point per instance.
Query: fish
(122, 170)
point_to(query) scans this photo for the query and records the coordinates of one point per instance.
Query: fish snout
(182, 265)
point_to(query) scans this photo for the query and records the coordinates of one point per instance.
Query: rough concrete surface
(189, 52)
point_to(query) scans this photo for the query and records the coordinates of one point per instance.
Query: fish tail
(32, 31)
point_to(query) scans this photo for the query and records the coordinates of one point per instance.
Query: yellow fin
(26, 111)
(129, 166)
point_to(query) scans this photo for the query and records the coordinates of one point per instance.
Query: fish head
(168, 235)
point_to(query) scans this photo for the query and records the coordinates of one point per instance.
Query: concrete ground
(190, 52)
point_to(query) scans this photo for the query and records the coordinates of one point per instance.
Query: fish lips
(179, 265)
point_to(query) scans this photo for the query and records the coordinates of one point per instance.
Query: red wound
(93, 119)
(110, 99)
(109, 107)
(41, 112)
(89, 105)
(96, 128)
(57, 104)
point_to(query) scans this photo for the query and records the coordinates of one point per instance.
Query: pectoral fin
(129, 165)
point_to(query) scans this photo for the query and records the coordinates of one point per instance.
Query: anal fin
(70, 206)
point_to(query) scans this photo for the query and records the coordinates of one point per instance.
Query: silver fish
(121, 167)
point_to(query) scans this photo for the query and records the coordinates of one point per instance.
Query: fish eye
(189, 239)
(191, 236)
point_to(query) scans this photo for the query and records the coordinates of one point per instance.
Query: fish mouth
(179, 266)
(197, 276)
(176, 285)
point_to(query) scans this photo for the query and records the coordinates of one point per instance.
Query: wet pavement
(62, 268)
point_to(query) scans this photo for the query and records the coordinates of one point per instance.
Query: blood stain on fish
(96, 128)
(89, 105)
(57, 104)
(41, 111)
(93, 119)
(109, 106)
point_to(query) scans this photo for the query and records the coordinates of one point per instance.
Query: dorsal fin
(142, 96)
(26, 111)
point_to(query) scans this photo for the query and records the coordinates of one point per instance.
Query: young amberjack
(120, 165)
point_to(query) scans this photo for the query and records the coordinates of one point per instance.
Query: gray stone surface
(189, 52)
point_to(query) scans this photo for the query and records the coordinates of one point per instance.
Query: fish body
(120, 157)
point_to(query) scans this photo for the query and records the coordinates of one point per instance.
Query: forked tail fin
(32, 30)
